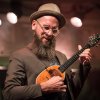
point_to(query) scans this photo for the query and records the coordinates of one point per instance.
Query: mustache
(51, 40)
(45, 51)
(45, 35)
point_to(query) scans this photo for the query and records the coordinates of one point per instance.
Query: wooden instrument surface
(48, 73)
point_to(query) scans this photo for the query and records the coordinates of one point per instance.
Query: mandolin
(57, 70)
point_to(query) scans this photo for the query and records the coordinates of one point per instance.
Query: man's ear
(33, 24)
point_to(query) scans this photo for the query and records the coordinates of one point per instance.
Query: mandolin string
(70, 61)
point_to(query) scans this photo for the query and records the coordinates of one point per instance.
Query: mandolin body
(48, 73)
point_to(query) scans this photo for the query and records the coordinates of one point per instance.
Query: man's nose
(50, 32)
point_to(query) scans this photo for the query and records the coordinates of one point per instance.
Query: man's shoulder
(22, 52)
(60, 53)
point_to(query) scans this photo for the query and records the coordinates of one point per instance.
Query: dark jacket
(23, 69)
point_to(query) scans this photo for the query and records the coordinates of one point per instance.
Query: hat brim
(39, 14)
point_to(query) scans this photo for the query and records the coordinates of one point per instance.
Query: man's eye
(46, 28)
(54, 31)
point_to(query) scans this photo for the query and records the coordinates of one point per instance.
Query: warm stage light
(75, 21)
(0, 22)
(12, 18)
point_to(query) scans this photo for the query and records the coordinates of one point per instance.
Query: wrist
(43, 86)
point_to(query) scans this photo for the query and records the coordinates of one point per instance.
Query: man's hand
(85, 56)
(54, 84)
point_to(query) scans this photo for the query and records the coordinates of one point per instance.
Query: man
(26, 64)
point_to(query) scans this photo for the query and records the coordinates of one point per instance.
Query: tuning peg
(97, 44)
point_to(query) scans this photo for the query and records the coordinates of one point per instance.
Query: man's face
(46, 29)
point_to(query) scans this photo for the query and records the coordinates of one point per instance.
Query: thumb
(79, 47)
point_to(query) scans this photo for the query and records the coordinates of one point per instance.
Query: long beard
(46, 51)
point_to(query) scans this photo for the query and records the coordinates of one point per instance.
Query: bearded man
(27, 63)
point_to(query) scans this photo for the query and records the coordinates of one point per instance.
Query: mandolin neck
(70, 61)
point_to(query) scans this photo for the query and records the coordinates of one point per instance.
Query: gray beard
(45, 51)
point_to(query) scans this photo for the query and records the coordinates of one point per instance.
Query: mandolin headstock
(93, 40)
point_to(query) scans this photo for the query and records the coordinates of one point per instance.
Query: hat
(51, 10)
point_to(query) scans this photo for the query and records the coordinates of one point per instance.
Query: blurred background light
(75, 21)
(12, 17)
(0, 22)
